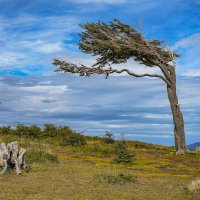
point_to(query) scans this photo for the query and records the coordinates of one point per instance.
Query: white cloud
(188, 42)
(157, 116)
(9, 58)
(192, 72)
(189, 48)
(116, 126)
(32, 40)
(42, 46)
(58, 89)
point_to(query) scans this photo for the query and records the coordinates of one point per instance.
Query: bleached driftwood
(12, 158)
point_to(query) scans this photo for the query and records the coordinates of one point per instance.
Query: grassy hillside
(59, 171)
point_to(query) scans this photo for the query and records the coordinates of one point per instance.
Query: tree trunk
(179, 131)
(11, 158)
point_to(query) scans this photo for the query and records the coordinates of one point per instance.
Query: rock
(12, 158)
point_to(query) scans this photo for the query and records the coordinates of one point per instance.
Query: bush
(35, 156)
(109, 137)
(70, 137)
(122, 154)
(50, 130)
(28, 131)
(5, 130)
(120, 178)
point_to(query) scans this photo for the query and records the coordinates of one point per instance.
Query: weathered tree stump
(12, 158)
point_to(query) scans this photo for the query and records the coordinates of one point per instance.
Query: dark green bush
(35, 156)
(28, 131)
(70, 137)
(115, 178)
(50, 130)
(109, 137)
(5, 130)
(122, 154)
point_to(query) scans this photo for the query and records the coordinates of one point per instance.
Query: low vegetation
(109, 137)
(118, 178)
(194, 186)
(38, 156)
(64, 134)
(64, 163)
(122, 154)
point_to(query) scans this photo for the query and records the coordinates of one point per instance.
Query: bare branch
(82, 70)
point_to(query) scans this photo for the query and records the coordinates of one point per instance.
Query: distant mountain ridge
(194, 146)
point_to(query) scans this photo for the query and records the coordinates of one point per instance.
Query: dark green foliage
(50, 130)
(122, 154)
(64, 134)
(35, 156)
(5, 130)
(70, 137)
(117, 42)
(28, 131)
(109, 137)
(120, 178)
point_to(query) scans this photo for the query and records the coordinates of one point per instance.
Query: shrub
(122, 154)
(120, 178)
(38, 156)
(109, 137)
(5, 130)
(50, 130)
(70, 137)
(28, 131)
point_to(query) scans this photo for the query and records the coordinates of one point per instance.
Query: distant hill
(194, 146)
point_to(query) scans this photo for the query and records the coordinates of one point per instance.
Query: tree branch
(82, 70)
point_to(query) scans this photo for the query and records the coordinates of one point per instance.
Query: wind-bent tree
(115, 43)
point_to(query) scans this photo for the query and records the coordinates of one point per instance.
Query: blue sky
(34, 32)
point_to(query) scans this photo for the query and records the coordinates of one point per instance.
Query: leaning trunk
(179, 131)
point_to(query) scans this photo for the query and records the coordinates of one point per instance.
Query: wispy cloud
(42, 46)
(191, 41)
(97, 104)
(32, 40)
(58, 89)
(34, 32)
(189, 48)
(157, 116)
(10, 58)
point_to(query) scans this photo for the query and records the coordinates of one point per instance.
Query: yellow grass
(160, 174)
(194, 186)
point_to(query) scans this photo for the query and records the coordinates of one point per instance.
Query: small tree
(109, 137)
(122, 154)
(116, 43)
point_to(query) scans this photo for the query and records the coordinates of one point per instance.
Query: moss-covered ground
(70, 172)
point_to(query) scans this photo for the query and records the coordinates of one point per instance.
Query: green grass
(88, 172)
(112, 178)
